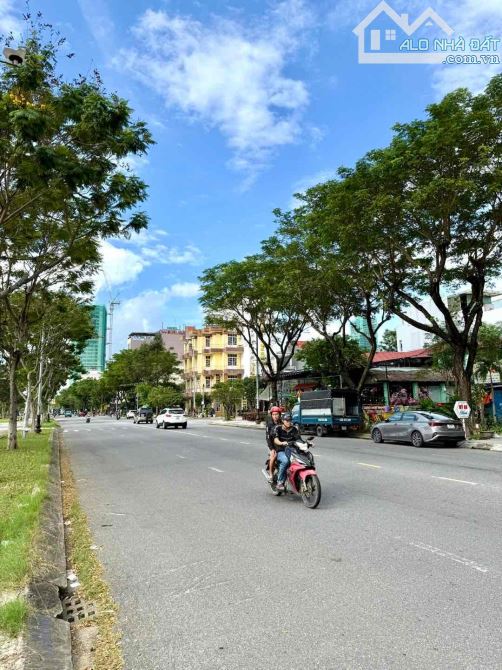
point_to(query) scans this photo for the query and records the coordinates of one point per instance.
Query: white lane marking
(115, 513)
(244, 442)
(224, 439)
(460, 481)
(216, 470)
(180, 456)
(65, 430)
(76, 430)
(88, 430)
(452, 557)
(369, 465)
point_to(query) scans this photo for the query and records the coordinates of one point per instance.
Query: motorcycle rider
(285, 434)
(273, 421)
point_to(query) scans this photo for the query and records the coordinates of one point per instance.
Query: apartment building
(211, 354)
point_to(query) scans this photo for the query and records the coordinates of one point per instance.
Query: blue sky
(248, 102)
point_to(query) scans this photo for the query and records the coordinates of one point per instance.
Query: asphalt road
(399, 567)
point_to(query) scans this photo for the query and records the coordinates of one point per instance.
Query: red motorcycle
(301, 477)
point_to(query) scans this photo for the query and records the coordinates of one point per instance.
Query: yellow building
(210, 355)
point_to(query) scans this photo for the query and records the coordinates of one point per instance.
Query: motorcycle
(301, 478)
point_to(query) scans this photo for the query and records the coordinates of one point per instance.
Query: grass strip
(83, 560)
(24, 477)
(13, 616)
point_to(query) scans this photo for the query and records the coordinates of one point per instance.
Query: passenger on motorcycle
(285, 434)
(273, 421)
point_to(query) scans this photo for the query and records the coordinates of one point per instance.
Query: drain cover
(76, 609)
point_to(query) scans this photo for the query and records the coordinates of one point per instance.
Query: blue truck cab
(329, 411)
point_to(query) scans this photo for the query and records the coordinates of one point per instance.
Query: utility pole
(111, 307)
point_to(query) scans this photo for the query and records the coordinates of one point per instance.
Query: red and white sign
(462, 409)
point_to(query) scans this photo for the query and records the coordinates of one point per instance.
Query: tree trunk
(275, 390)
(463, 383)
(13, 363)
(27, 405)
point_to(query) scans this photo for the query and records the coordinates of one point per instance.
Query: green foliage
(230, 394)
(160, 397)
(320, 356)
(389, 341)
(13, 615)
(253, 296)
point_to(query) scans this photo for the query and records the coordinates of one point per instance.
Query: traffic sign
(462, 409)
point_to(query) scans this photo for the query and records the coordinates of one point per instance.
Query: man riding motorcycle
(285, 434)
(273, 421)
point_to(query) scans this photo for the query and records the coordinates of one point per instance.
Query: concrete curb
(230, 424)
(48, 639)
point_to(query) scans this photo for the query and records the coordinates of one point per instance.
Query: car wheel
(157, 424)
(376, 436)
(319, 431)
(164, 425)
(184, 426)
(416, 439)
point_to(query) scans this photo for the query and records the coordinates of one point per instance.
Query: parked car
(171, 416)
(131, 414)
(143, 415)
(419, 428)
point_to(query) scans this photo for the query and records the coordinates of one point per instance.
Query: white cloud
(119, 266)
(147, 311)
(229, 76)
(10, 18)
(122, 266)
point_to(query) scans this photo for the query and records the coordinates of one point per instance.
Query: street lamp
(14, 56)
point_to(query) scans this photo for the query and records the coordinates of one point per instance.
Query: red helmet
(276, 409)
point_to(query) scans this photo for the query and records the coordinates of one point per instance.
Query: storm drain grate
(76, 609)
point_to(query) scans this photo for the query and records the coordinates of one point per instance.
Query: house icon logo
(384, 36)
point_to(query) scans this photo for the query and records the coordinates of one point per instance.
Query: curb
(229, 424)
(48, 639)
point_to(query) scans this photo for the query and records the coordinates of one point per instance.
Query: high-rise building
(93, 358)
(361, 325)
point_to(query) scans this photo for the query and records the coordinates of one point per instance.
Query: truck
(329, 411)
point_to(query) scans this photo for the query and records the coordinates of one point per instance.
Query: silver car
(419, 428)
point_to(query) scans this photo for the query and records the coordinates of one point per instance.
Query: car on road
(171, 416)
(131, 414)
(143, 415)
(418, 427)
(68, 413)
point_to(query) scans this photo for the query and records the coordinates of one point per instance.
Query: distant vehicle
(328, 411)
(143, 415)
(68, 413)
(171, 416)
(130, 414)
(419, 428)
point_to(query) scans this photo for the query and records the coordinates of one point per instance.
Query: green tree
(230, 394)
(160, 396)
(63, 187)
(389, 341)
(252, 296)
(348, 359)
(430, 217)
